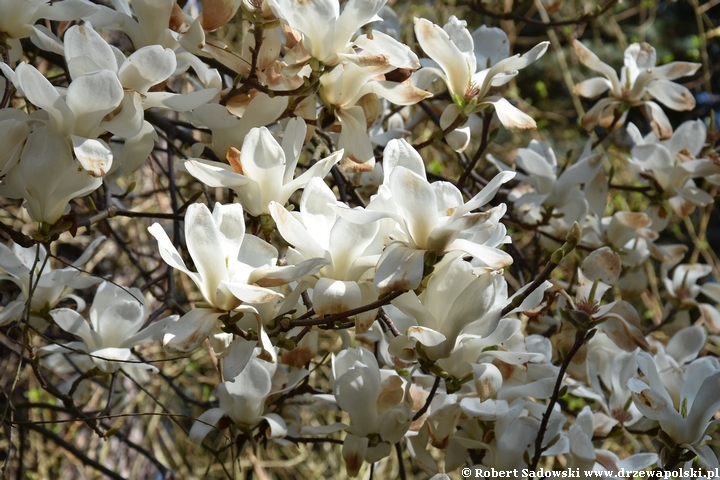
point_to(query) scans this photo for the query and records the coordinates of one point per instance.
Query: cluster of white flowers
(436, 345)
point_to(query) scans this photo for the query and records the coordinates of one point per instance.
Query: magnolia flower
(455, 298)
(81, 115)
(48, 176)
(117, 316)
(327, 33)
(87, 52)
(686, 419)
(375, 402)
(683, 287)
(453, 49)
(231, 268)
(263, 171)
(540, 187)
(342, 90)
(432, 219)
(19, 19)
(673, 163)
(608, 370)
(242, 397)
(18, 265)
(344, 238)
(618, 320)
(639, 80)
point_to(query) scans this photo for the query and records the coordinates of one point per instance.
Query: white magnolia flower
(456, 298)
(453, 49)
(48, 176)
(345, 238)
(326, 32)
(685, 419)
(81, 114)
(376, 403)
(683, 287)
(19, 19)
(673, 163)
(639, 81)
(18, 264)
(342, 90)
(231, 266)
(242, 397)
(432, 219)
(117, 316)
(541, 189)
(263, 171)
(87, 52)
(608, 369)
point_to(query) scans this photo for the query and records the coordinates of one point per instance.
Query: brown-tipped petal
(216, 13)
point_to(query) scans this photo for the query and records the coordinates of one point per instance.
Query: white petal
(591, 61)
(94, 155)
(592, 87)
(672, 95)
(72, 322)
(416, 198)
(190, 330)
(42, 94)
(294, 232)
(510, 116)
(204, 424)
(146, 67)
(86, 51)
(436, 43)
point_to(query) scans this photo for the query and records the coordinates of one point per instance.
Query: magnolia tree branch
(580, 337)
(571, 241)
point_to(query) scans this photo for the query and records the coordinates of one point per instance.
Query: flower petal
(190, 330)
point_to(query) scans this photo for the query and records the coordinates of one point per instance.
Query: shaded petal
(91, 97)
(354, 140)
(672, 95)
(591, 61)
(190, 330)
(204, 424)
(147, 67)
(592, 87)
(659, 122)
(335, 296)
(110, 359)
(72, 322)
(399, 268)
